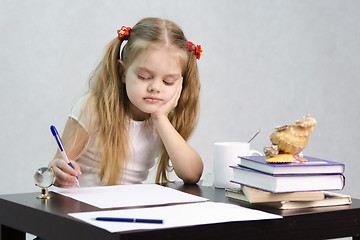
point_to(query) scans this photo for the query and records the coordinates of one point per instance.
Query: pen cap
(57, 137)
(53, 130)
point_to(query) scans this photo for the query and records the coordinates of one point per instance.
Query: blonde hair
(109, 101)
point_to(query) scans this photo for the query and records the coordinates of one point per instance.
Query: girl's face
(152, 80)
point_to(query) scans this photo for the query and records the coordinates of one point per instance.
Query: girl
(142, 104)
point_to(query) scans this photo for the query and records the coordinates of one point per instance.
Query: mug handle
(255, 153)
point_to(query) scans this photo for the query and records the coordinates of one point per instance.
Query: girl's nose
(154, 86)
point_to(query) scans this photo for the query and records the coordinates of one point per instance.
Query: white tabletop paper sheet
(175, 216)
(120, 196)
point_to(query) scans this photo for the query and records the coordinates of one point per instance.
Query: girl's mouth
(152, 99)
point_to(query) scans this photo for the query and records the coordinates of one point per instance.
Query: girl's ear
(121, 69)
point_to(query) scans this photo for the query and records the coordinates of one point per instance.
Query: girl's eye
(142, 77)
(168, 83)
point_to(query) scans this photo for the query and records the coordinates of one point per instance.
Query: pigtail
(109, 101)
(185, 116)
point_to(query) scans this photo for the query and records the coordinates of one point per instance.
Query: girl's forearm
(186, 162)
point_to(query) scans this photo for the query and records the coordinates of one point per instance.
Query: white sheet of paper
(129, 195)
(174, 216)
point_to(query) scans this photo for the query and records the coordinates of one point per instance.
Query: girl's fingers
(76, 167)
(62, 179)
(65, 175)
(166, 108)
(178, 94)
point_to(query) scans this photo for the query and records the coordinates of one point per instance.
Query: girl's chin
(141, 115)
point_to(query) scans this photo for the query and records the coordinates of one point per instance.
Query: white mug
(227, 154)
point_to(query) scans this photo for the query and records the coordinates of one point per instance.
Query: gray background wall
(265, 63)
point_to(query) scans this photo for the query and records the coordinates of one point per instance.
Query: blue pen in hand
(62, 150)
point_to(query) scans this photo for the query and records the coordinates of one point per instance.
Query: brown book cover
(331, 199)
(254, 195)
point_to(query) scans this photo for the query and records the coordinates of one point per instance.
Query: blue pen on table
(62, 150)
(132, 220)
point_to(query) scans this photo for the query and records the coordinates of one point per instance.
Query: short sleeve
(79, 112)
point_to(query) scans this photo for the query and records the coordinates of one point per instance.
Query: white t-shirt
(144, 143)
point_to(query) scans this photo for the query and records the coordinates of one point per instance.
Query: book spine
(242, 168)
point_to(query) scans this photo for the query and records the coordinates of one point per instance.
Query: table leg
(8, 233)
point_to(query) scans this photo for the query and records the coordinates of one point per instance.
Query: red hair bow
(197, 49)
(124, 33)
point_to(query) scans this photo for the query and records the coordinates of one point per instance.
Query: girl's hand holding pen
(63, 154)
(65, 175)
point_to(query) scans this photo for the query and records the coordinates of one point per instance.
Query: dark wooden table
(21, 213)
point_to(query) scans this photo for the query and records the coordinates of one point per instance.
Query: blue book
(312, 166)
(281, 183)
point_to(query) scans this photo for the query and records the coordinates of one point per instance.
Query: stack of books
(290, 185)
